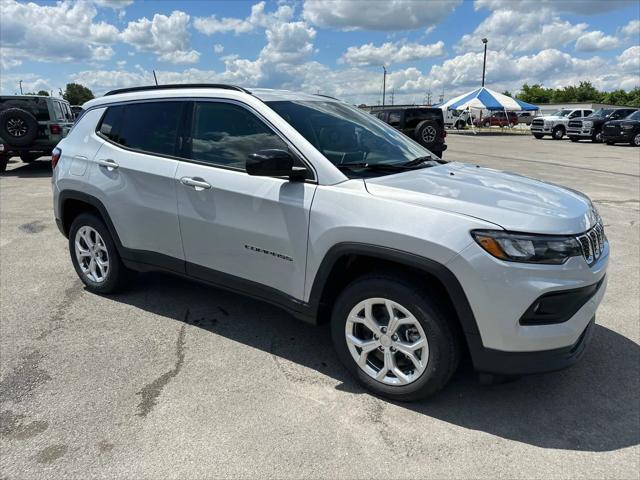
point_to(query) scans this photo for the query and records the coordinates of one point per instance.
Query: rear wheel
(95, 257)
(609, 142)
(393, 338)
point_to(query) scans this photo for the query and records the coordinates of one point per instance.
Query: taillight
(55, 156)
(55, 129)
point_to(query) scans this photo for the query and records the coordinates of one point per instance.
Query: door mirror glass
(273, 163)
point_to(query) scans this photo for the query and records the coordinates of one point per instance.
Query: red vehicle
(500, 119)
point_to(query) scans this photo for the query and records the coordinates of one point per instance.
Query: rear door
(236, 227)
(133, 173)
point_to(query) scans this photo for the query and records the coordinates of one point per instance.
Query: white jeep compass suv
(313, 205)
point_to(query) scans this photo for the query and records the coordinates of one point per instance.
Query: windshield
(347, 135)
(561, 113)
(601, 113)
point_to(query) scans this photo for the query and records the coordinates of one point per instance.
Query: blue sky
(336, 47)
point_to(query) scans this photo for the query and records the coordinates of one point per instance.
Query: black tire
(538, 136)
(118, 276)
(557, 133)
(596, 137)
(30, 157)
(609, 142)
(460, 124)
(18, 127)
(636, 140)
(4, 160)
(427, 133)
(574, 139)
(444, 345)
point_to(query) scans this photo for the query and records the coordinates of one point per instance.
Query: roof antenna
(154, 77)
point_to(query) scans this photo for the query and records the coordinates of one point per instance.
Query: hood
(552, 117)
(509, 200)
(623, 121)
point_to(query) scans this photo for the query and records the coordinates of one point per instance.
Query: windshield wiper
(394, 167)
(421, 160)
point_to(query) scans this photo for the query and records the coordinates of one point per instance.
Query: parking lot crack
(150, 392)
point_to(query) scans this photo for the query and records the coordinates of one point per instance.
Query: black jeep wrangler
(424, 124)
(31, 126)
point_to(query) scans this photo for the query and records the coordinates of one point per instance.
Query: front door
(250, 228)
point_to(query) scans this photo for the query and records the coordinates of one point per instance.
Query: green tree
(507, 93)
(535, 94)
(77, 94)
(44, 93)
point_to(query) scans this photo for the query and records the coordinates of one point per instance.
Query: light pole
(484, 62)
(384, 82)
(20, 87)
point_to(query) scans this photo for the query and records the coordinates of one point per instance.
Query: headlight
(587, 123)
(520, 247)
(547, 123)
(627, 127)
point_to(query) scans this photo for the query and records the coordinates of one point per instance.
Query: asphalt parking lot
(178, 380)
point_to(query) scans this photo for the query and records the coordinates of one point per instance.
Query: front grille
(592, 242)
(537, 122)
(575, 123)
(611, 128)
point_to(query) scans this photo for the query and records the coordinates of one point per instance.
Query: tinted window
(151, 127)
(57, 111)
(620, 114)
(225, 134)
(587, 113)
(394, 119)
(111, 123)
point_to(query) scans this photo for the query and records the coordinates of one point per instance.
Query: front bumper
(498, 362)
(541, 130)
(621, 137)
(580, 132)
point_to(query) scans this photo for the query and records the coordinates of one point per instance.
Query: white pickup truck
(457, 119)
(556, 123)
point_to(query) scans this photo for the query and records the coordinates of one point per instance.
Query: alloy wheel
(16, 127)
(386, 341)
(92, 254)
(636, 140)
(429, 134)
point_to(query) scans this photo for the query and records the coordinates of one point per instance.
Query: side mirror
(274, 163)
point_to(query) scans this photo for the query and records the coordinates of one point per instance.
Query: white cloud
(596, 40)
(102, 53)
(63, 32)
(632, 29)
(630, 61)
(9, 83)
(258, 18)
(288, 42)
(218, 48)
(115, 4)
(517, 31)
(166, 36)
(582, 7)
(390, 53)
(377, 15)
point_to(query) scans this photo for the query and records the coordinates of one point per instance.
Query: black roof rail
(176, 86)
(326, 96)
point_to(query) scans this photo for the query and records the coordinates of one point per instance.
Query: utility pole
(384, 83)
(484, 62)
(20, 87)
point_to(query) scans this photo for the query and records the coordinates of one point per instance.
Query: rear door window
(57, 111)
(394, 119)
(151, 127)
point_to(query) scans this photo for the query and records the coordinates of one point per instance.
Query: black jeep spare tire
(426, 133)
(18, 127)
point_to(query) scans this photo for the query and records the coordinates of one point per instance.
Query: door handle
(109, 164)
(196, 182)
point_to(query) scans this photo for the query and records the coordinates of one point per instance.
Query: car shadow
(38, 169)
(590, 407)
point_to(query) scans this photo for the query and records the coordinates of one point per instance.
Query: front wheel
(95, 257)
(558, 133)
(597, 137)
(393, 338)
(573, 139)
(636, 140)
(538, 136)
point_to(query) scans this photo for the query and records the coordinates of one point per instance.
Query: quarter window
(394, 119)
(225, 134)
(111, 123)
(151, 127)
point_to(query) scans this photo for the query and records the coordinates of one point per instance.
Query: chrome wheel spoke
(92, 254)
(387, 341)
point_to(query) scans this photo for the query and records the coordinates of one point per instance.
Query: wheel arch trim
(438, 270)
